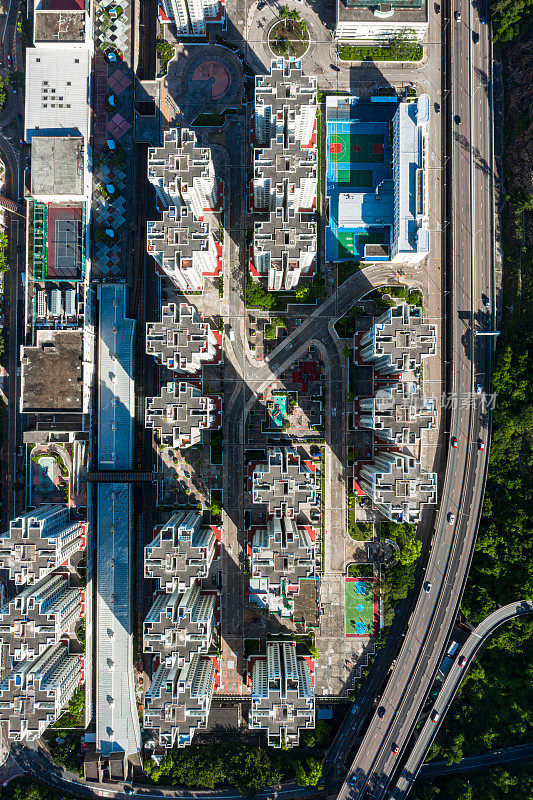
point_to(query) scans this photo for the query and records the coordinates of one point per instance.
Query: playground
(362, 607)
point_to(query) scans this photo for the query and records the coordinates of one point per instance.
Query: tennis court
(356, 148)
(362, 607)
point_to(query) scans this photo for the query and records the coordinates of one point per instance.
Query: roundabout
(289, 39)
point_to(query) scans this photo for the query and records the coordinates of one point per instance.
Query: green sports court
(356, 178)
(352, 242)
(362, 607)
(356, 148)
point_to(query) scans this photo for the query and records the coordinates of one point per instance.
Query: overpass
(469, 651)
(492, 758)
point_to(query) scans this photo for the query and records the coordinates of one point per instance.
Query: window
(76, 61)
(69, 83)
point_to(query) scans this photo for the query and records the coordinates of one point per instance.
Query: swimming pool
(278, 411)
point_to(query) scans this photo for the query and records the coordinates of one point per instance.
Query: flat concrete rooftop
(59, 26)
(57, 165)
(52, 372)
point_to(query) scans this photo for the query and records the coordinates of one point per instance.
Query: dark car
(475, 37)
(381, 712)
(457, 119)
(395, 748)
(19, 119)
(437, 8)
(436, 106)
(335, 67)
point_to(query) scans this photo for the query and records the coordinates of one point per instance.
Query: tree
(347, 351)
(284, 13)
(258, 297)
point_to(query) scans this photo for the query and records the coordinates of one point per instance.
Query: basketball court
(362, 607)
(348, 147)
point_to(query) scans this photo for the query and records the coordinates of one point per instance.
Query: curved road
(482, 761)
(470, 651)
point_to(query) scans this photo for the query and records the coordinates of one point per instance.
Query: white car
(451, 518)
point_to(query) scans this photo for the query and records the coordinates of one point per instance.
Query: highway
(469, 651)
(468, 115)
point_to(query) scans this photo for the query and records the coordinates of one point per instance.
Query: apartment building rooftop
(178, 701)
(182, 340)
(59, 26)
(399, 340)
(180, 414)
(181, 552)
(37, 618)
(283, 702)
(288, 485)
(34, 693)
(39, 541)
(282, 554)
(180, 624)
(399, 414)
(398, 486)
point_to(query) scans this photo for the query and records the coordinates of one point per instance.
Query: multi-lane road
(467, 105)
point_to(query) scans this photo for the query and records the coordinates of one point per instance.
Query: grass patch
(403, 47)
(360, 531)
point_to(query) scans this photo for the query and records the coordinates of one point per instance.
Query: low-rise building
(282, 554)
(399, 414)
(181, 552)
(287, 484)
(410, 229)
(180, 414)
(362, 22)
(180, 624)
(35, 692)
(39, 541)
(178, 702)
(398, 486)
(182, 340)
(283, 700)
(399, 341)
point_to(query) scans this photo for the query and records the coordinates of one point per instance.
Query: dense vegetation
(26, 789)
(512, 783)
(496, 699)
(238, 764)
(398, 579)
(508, 17)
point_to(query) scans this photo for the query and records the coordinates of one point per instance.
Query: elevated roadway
(468, 110)
(482, 761)
(469, 651)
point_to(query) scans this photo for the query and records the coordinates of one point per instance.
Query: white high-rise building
(191, 16)
(39, 541)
